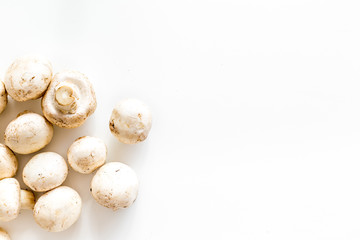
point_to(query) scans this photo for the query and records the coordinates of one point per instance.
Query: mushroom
(69, 100)
(115, 186)
(4, 235)
(58, 209)
(3, 97)
(87, 154)
(12, 199)
(28, 133)
(130, 121)
(45, 171)
(8, 162)
(28, 78)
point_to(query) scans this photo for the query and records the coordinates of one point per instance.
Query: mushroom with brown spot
(12, 199)
(69, 100)
(3, 97)
(28, 133)
(45, 171)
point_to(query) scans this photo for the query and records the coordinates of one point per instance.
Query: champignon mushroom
(58, 209)
(12, 199)
(69, 100)
(130, 121)
(3, 97)
(8, 162)
(115, 186)
(28, 133)
(45, 171)
(28, 78)
(4, 235)
(87, 154)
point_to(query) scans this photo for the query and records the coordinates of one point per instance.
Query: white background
(256, 113)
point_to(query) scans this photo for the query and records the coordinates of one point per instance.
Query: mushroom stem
(64, 95)
(27, 199)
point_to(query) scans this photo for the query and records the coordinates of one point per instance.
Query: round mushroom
(12, 199)
(58, 209)
(28, 133)
(87, 154)
(4, 235)
(8, 162)
(130, 121)
(115, 186)
(28, 78)
(69, 100)
(45, 171)
(3, 97)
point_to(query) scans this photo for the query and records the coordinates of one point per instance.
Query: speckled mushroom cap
(58, 209)
(69, 100)
(115, 185)
(28, 133)
(45, 171)
(4, 235)
(3, 97)
(9, 199)
(8, 162)
(87, 154)
(28, 78)
(130, 121)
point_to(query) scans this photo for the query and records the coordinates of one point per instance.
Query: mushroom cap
(58, 209)
(28, 133)
(4, 235)
(3, 97)
(130, 121)
(9, 199)
(28, 77)
(8, 162)
(45, 171)
(78, 96)
(115, 186)
(87, 154)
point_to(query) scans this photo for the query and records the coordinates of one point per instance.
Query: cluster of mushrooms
(68, 99)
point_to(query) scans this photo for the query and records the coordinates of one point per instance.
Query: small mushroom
(8, 162)
(28, 78)
(58, 209)
(45, 171)
(87, 154)
(12, 199)
(3, 97)
(69, 100)
(115, 186)
(28, 133)
(130, 121)
(4, 235)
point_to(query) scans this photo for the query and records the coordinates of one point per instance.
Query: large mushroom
(28, 133)
(8, 162)
(3, 97)
(58, 209)
(69, 100)
(45, 171)
(130, 121)
(115, 185)
(12, 199)
(28, 78)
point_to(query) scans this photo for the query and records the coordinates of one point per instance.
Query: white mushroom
(115, 186)
(3, 97)
(12, 199)
(87, 154)
(8, 162)
(28, 133)
(69, 100)
(45, 171)
(58, 209)
(4, 235)
(130, 121)
(28, 78)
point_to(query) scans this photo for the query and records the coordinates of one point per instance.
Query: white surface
(256, 106)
